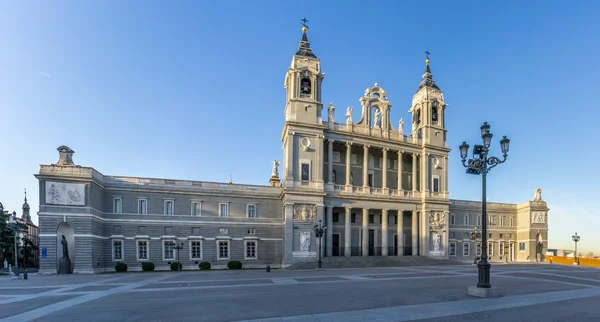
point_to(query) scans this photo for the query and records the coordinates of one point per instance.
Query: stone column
(347, 233)
(400, 233)
(414, 172)
(289, 157)
(415, 233)
(384, 170)
(365, 232)
(425, 172)
(330, 161)
(348, 166)
(399, 188)
(384, 232)
(365, 167)
(329, 231)
(445, 178)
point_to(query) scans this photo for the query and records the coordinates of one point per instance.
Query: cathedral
(379, 189)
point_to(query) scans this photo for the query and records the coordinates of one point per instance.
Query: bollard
(268, 268)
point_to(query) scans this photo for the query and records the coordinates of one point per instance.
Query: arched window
(376, 95)
(305, 87)
(434, 112)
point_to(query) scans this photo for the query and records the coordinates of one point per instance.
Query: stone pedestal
(64, 266)
(274, 181)
(483, 292)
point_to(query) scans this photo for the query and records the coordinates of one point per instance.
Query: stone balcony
(382, 192)
(373, 132)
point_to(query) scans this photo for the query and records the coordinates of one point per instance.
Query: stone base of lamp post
(483, 292)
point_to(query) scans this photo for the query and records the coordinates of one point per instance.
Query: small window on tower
(305, 87)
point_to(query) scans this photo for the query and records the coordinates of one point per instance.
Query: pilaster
(347, 233)
(329, 231)
(384, 232)
(365, 232)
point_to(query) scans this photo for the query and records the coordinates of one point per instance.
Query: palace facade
(380, 191)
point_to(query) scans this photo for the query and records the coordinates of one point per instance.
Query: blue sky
(194, 90)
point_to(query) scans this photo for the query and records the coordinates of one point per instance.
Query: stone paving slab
(10, 309)
(558, 278)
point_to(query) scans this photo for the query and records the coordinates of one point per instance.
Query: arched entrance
(65, 248)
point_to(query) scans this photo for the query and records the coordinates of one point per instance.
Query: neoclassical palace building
(381, 191)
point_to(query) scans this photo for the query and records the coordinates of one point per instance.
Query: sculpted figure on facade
(437, 218)
(437, 243)
(275, 170)
(304, 212)
(305, 241)
(349, 115)
(330, 113)
(401, 127)
(377, 118)
(537, 195)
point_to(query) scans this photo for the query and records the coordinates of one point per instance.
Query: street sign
(44, 252)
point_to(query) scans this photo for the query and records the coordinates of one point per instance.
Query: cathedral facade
(381, 191)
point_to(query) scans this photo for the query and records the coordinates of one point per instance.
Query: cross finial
(427, 53)
(303, 22)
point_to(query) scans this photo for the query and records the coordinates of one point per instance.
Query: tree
(27, 253)
(7, 242)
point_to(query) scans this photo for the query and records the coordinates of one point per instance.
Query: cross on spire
(427, 53)
(303, 22)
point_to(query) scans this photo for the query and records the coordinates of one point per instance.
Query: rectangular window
(502, 220)
(371, 219)
(336, 217)
(501, 236)
(168, 253)
(521, 246)
(196, 209)
(117, 205)
(169, 207)
(512, 221)
(436, 184)
(353, 218)
(251, 231)
(452, 249)
(353, 158)
(478, 249)
(195, 249)
(466, 247)
(337, 157)
(223, 249)
(250, 250)
(452, 220)
(142, 206)
(501, 249)
(305, 172)
(478, 220)
(117, 250)
(223, 210)
(251, 211)
(142, 249)
(490, 249)
(466, 220)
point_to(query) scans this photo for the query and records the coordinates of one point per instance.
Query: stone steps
(375, 261)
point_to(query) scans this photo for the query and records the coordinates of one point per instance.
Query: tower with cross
(428, 109)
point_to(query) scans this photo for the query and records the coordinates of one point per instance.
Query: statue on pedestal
(401, 127)
(275, 170)
(349, 115)
(330, 113)
(65, 247)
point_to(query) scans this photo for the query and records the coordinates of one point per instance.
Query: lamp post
(576, 240)
(482, 164)
(319, 231)
(178, 248)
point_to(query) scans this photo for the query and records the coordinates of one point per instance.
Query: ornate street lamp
(178, 248)
(319, 231)
(482, 164)
(576, 240)
(14, 225)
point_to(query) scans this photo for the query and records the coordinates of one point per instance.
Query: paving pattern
(530, 292)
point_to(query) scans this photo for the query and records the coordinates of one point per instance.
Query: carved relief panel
(305, 213)
(68, 194)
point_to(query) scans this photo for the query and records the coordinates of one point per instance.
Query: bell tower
(428, 106)
(303, 85)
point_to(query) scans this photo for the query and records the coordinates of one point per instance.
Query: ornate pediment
(306, 213)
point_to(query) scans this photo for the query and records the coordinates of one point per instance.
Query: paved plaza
(541, 292)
